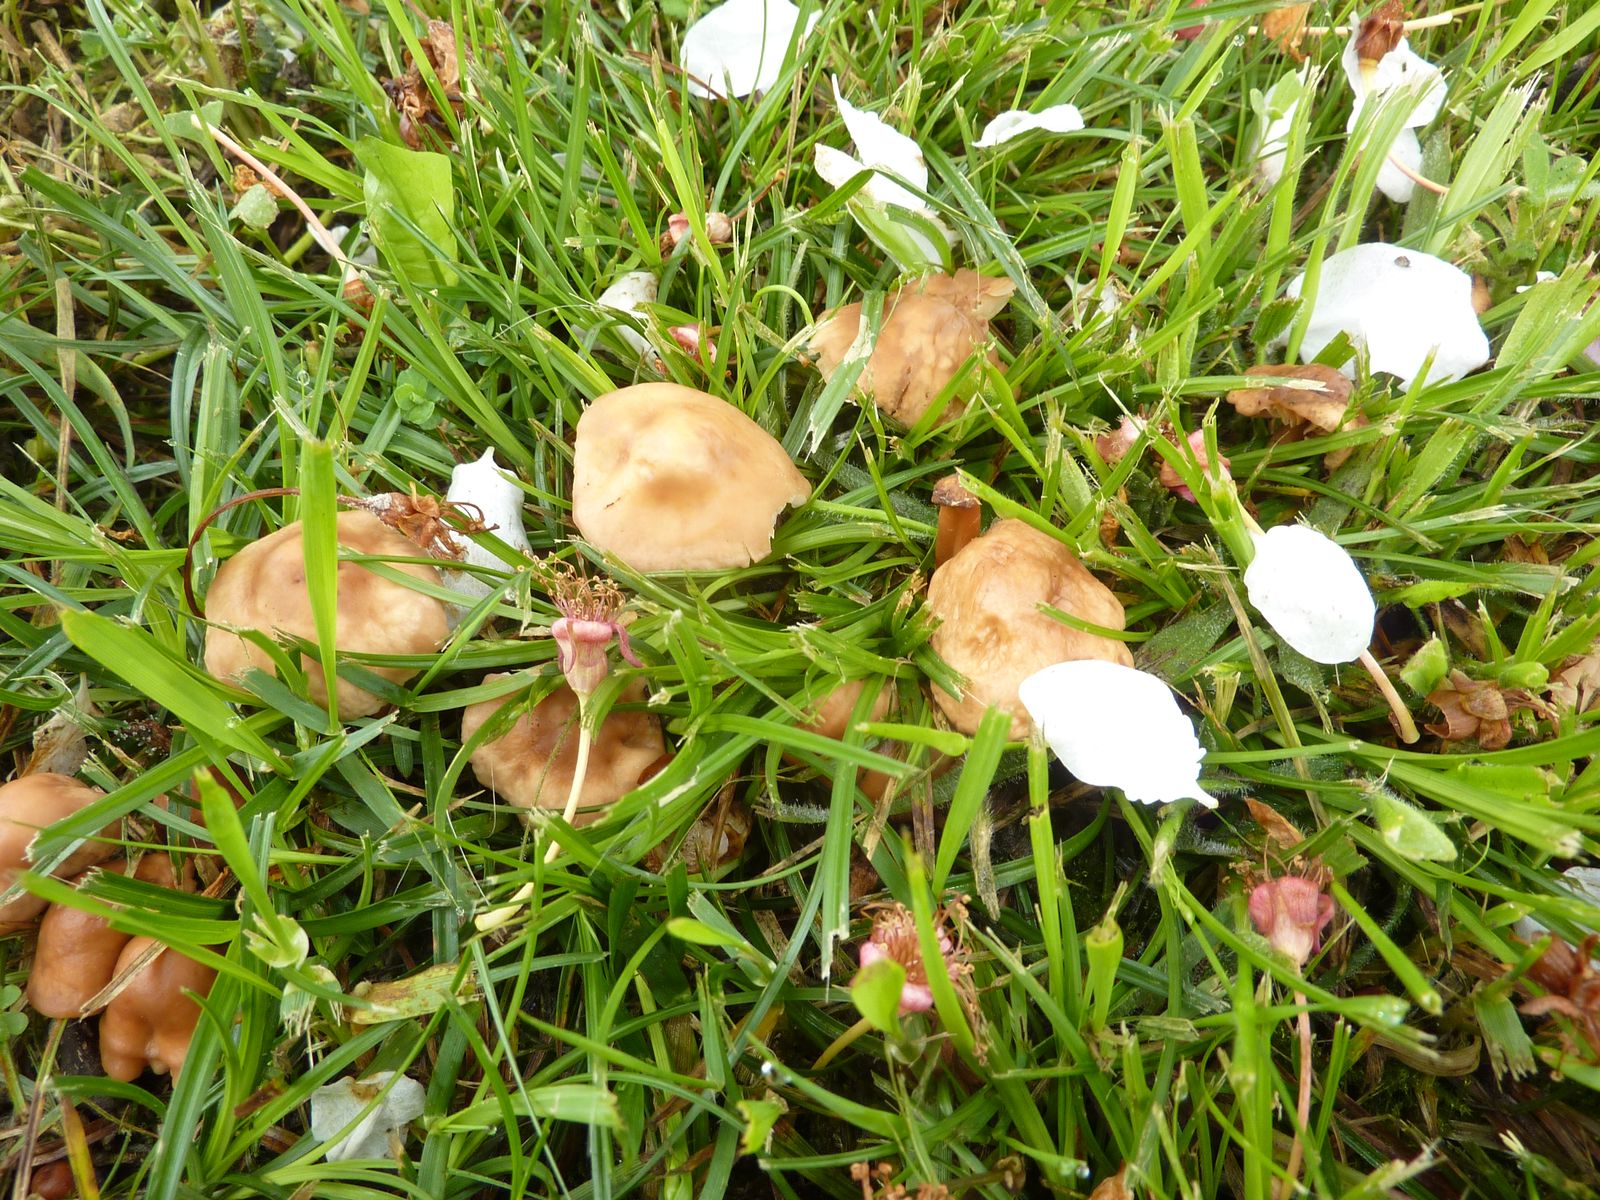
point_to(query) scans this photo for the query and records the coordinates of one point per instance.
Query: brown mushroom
(671, 479)
(531, 763)
(930, 329)
(27, 805)
(150, 1022)
(992, 631)
(830, 718)
(263, 587)
(77, 951)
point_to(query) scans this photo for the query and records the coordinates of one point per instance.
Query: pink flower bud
(1172, 481)
(1113, 446)
(1291, 912)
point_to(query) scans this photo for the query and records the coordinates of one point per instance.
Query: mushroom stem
(578, 773)
(960, 519)
(489, 921)
(840, 1044)
(1303, 1109)
(1397, 706)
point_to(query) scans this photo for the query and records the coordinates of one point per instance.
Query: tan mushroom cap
(671, 479)
(27, 805)
(929, 330)
(77, 951)
(992, 631)
(150, 1022)
(263, 587)
(831, 715)
(532, 763)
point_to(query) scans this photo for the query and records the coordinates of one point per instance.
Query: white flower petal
(1402, 69)
(1014, 122)
(1272, 153)
(1311, 592)
(629, 294)
(1402, 306)
(883, 148)
(1114, 726)
(738, 47)
(1392, 181)
(337, 1104)
(492, 496)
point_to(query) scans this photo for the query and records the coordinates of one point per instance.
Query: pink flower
(1189, 32)
(1291, 912)
(583, 632)
(1172, 481)
(894, 936)
(1113, 446)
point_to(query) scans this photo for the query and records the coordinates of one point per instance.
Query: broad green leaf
(257, 208)
(1426, 669)
(875, 991)
(411, 206)
(1410, 831)
(760, 1117)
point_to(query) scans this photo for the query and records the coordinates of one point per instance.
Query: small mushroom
(992, 631)
(28, 805)
(830, 718)
(739, 47)
(150, 1022)
(77, 952)
(960, 518)
(531, 764)
(263, 587)
(930, 329)
(671, 479)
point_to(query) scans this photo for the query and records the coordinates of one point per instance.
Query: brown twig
(314, 226)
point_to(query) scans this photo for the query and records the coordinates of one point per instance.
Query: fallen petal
(1402, 69)
(337, 1104)
(484, 491)
(1403, 306)
(739, 47)
(883, 148)
(629, 294)
(1116, 726)
(1014, 122)
(1311, 592)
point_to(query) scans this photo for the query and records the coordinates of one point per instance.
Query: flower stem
(579, 770)
(1397, 706)
(841, 1044)
(1303, 1110)
(1421, 181)
(319, 232)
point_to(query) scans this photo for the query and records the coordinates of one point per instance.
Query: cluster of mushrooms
(666, 479)
(144, 992)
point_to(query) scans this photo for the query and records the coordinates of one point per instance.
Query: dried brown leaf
(1287, 27)
(1280, 832)
(1321, 399)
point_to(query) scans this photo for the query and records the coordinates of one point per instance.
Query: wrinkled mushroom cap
(27, 805)
(531, 763)
(77, 951)
(987, 599)
(671, 479)
(929, 330)
(150, 1022)
(263, 587)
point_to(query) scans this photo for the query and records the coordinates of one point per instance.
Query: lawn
(1300, 903)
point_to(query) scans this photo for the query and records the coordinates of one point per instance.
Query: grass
(648, 1031)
